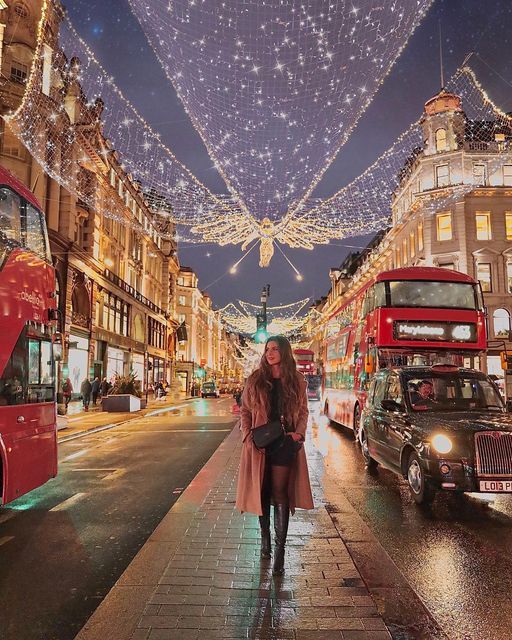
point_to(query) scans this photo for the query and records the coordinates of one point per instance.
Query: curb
(93, 429)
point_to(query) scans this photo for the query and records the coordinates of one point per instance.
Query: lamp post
(149, 367)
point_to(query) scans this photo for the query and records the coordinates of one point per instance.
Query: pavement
(76, 423)
(199, 575)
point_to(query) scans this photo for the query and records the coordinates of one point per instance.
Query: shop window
(483, 225)
(507, 175)
(483, 274)
(442, 176)
(444, 226)
(501, 322)
(441, 140)
(508, 224)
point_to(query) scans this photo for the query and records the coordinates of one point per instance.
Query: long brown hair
(289, 378)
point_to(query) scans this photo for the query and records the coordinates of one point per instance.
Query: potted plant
(125, 394)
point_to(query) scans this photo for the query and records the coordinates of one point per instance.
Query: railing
(133, 292)
(488, 147)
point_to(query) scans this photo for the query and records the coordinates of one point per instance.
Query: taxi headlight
(441, 443)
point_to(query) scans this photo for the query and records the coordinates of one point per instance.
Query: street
(455, 555)
(63, 546)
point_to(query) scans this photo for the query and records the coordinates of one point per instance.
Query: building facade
(115, 279)
(438, 220)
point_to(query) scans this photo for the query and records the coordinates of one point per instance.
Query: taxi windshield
(451, 392)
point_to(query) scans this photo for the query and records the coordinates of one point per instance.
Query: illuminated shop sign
(435, 331)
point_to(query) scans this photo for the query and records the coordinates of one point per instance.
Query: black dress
(283, 453)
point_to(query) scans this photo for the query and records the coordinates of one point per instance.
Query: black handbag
(268, 434)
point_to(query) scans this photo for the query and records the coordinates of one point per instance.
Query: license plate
(496, 486)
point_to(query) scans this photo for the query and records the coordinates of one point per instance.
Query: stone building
(452, 209)
(209, 351)
(115, 280)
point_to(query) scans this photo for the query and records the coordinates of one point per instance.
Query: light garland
(275, 88)
(70, 149)
(282, 319)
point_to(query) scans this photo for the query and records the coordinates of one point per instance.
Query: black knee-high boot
(281, 518)
(265, 527)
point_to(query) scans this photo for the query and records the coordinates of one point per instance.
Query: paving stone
(173, 634)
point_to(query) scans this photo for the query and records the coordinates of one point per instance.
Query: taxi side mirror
(392, 405)
(369, 363)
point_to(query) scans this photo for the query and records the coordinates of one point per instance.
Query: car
(441, 428)
(314, 383)
(209, 389)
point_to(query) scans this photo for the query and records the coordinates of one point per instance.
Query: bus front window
(10, 208)
(37, 239)
(451, 295)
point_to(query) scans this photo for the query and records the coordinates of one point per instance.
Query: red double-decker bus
(305, 360)
(408, 316)
(28, 435)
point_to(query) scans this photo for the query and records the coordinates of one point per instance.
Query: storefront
(137, 367)
(78, 361)
(116, 359)
(158, 369)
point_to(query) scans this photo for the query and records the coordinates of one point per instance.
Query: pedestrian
(275, 391)
(104, 387)
(95, 389)
(67, 391)
(86, 390)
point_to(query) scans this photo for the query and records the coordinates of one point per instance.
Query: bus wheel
(370, 462)
(356, 423)
(421, 491)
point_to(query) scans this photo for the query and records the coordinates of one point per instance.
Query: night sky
(481, 26)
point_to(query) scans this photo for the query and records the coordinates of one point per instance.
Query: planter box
(122, 403)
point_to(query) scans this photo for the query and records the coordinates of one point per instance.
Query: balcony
(111, 277)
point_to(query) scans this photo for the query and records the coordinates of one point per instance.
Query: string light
(282, 319)
(274, 89)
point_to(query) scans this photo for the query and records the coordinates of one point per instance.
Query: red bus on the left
(28, 426)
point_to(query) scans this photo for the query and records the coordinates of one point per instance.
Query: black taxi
(441, 428)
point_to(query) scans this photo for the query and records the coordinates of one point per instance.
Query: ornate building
(471, 232)
(115, 282)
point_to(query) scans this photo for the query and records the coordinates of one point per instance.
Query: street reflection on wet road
(456, 555)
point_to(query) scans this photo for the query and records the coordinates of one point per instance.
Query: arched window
(441, 143)
(501, 321)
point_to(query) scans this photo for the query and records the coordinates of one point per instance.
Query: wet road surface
(456, 555)
(63, 546)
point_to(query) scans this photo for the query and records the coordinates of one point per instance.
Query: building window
(508, 224)
(483, 274)
(447, 265)
(420, 236)
(507, 175)
(444, 226)
(181, 318)
(483, 225)
(412, 244)
(181, 281)
(19, 72)
(156, 333)
(397, 258)
(501, 321)
(115, 314)
(441, 142)
(509, 277)
(479, 174)
(182, 301)
(404, 251)
(442, 176)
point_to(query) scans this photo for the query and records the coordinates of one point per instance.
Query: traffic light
(261, 334)
(506, 360)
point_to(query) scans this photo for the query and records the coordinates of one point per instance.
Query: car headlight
(441, 443)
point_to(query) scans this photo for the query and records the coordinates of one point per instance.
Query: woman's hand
(295, 436)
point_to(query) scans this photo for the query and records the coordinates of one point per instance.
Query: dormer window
(441, 141)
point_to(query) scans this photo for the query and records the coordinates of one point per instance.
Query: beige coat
(252, 461)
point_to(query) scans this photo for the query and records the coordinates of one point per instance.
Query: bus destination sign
(434, 331)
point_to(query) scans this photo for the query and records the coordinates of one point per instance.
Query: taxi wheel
(369, 461)
(421, 491)
(356, 422)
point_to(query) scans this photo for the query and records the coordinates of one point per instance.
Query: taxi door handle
(20, 419)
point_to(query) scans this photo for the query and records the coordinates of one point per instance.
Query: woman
(67, 390)
(275, 391)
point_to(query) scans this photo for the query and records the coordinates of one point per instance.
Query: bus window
(36, 238)
(14, 376)
(10, 206)
(380, 294)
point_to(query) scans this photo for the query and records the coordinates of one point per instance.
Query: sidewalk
(199, 575)
(83, 421)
